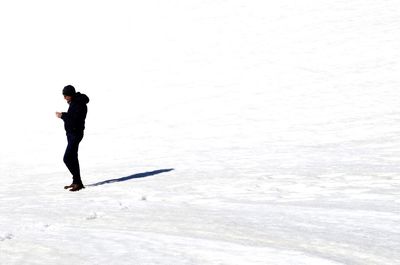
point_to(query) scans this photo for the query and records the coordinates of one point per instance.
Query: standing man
(74, 123)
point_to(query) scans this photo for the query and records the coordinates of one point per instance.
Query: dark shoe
(76, 187)
(68, 187)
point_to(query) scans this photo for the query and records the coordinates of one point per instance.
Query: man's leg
(71, 157)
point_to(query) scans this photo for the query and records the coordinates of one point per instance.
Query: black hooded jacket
(74, 119)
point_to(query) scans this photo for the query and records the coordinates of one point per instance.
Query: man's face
(68, 98)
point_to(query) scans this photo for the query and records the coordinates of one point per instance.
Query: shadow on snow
(135, 176)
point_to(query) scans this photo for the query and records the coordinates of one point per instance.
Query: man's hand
(59, 114)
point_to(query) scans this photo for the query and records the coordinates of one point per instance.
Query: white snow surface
(250, 132)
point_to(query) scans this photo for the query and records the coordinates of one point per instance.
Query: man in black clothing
(74, 123)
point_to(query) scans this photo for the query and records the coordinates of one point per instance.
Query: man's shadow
(135, 176)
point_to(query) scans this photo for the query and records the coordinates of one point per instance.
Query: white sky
(133, 56)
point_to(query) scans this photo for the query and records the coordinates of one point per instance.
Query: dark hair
(69, 91)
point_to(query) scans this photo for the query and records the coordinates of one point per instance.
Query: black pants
(71, 156)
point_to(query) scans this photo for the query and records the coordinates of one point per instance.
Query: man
(74, 123)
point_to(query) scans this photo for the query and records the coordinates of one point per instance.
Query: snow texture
(240, 132)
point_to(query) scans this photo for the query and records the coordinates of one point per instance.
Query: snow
(219, 132)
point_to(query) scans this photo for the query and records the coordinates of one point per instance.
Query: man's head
(69, 92)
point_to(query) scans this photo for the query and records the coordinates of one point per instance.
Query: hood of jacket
(81, 98)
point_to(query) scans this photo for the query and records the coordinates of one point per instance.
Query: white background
(280, 120)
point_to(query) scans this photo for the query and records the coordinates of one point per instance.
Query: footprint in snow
(8, 236)
(92, 216)
(122, 206)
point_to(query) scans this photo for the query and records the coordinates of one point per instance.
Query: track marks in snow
(92, 216)
(7, 236)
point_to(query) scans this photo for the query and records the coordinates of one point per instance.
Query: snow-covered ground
(240, 132)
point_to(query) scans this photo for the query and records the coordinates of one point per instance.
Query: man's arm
(62, 115)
